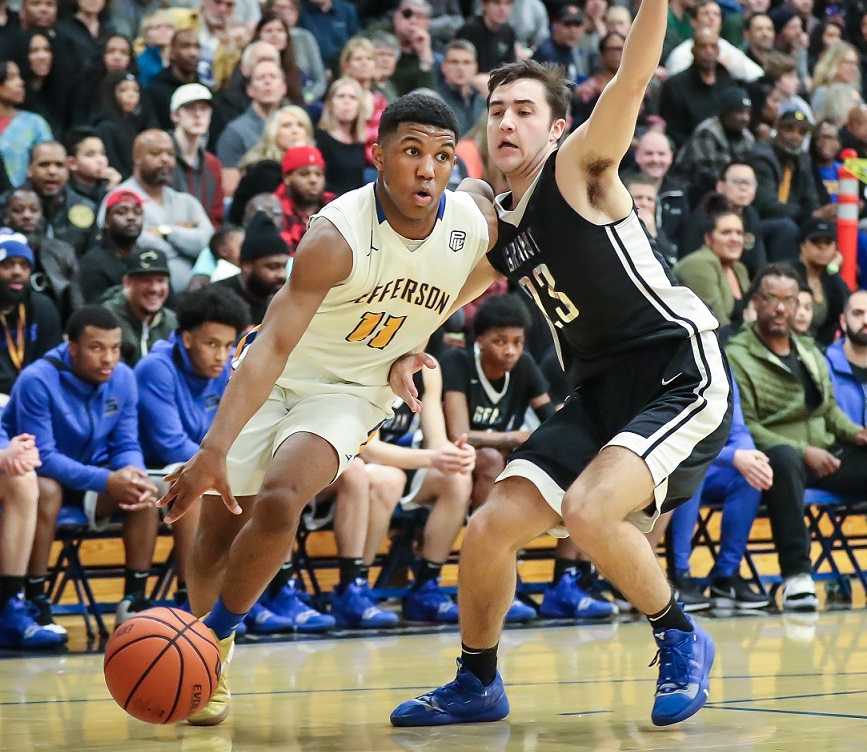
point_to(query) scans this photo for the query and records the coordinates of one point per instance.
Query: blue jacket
(739, 436)
(851, 396)
(176, 406)
(83, 430)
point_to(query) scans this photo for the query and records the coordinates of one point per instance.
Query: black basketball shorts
(670, 404)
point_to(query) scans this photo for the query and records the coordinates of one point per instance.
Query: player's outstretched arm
(600, 143)
(323, 260)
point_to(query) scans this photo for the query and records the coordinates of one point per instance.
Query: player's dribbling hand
(400, 377)
(458, 457)
(205, 471)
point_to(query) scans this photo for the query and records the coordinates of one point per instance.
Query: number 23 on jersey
(542, 278)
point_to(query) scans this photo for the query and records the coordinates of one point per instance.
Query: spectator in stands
(70, 217)
(79, 402)
(264, 255)
(414, 64)
(122, 116)
(679, 27)
(824, 148)
(182, 69)
(847, 360)
(341, 136)
(692, 96)
(387, 50)
(644, 194)
(786, 194)
(140, 305)
(802, 318)
(221, 259)
(563, 47)
(654, 156)
(105, 264)
(587, 93)
(197, 171)
(530, 21)
(302, 192)
(817, 267)
(854, 134)
(358, 61)
(333, 23)
(420, 468)
(709, 15)
(23, 131)
(792, 38)
(41, 64)
(824, 34)
(157, 31)
(219, 39)
(782, 72)
(736, 478)
(87, 29)
(790, 410)
(715, 272)
(716, 142)
(116, 57)
(492, 35)
(90, 175)
(758, 37)
(737, 183)
(180, 384)
(175, 223)
(274, 30)
(19, 496)
(29, 320)
(306, 48)
(289, 126)
(839, 64)
(266, 89)
(459, 68)
(56, 271)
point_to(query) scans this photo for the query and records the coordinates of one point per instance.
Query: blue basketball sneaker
(19, 629)
(430, 603)
(464, 700)
(566, 599)
(288, 604)
(685, 660)
(519, 612)
(263, 621)
(353, 608)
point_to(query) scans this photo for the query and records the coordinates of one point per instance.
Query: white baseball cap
(189, 93)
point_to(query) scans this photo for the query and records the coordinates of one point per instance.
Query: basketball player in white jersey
(653, 405)
(379, 269)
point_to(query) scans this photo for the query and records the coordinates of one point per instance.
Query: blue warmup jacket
(851, 396)
(176, 406)
(83, 430)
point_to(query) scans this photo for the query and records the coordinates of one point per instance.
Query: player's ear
(376, 153)
(557, 129)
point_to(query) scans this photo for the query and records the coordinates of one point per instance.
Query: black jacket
(686, 100)
(42, 331)
(836, 293)
(769, 162)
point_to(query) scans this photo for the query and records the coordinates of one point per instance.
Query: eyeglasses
(790, 301)
(408, 13)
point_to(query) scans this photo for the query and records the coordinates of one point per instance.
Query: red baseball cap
(122, 195)
(302, 156)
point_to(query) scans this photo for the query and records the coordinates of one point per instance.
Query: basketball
(162, 665)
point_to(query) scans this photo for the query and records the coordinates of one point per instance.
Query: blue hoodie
(83, 430)
(850, 394)
(176, 406)
(739, 435)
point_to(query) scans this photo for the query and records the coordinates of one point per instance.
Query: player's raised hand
(204, 472)
(400, 377)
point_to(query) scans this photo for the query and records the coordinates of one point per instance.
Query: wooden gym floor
(778, 681)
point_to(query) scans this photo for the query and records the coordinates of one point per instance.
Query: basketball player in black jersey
(652, 407)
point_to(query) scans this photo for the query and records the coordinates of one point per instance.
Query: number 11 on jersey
(542, 278)
(380, 328)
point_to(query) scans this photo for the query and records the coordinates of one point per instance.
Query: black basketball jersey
(604, 289)
(401, 426)
(498, 406)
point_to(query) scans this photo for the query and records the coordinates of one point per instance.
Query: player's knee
(583, 516)
(354, 479)
(490, 528)
(279, 509)
(489, 462)
(20, 492)
(50, 499)
(457, 490)
(386, 485)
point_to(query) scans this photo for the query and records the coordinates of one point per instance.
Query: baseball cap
(297, 157)
(15, 245)
(122, 195)
(733, 99)
(818, 228)
(793, 115)
(148, 262)
(189, 93)
(569, 14)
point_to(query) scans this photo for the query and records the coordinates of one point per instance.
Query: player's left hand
(206, 471)
(400, 377)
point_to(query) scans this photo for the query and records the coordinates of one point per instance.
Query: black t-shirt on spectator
(493, 48)
(493, 406)
(812, 398)
(344, 163)
(859, 373)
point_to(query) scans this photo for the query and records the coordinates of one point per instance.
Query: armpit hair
(595, 169)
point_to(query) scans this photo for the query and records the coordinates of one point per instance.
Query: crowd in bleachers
(159, 162)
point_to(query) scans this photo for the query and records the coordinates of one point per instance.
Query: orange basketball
(162, 665)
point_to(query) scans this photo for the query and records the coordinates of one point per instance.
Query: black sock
(562, 566)
(135, 583)
(585, 573)
(427, 570)
(671, 617)
(10, 587)
(181, 594)
(34, 587)
(284, 574)
(481, 662)
(364, 572)
(350, 570)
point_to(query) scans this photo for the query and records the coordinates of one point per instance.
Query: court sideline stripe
(789, 712)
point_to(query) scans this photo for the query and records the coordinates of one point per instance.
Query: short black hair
(217, 304)
(501, 311)
(93, 315)
(772, 270)
(735, 163)
(74, 137)
(42, 145)
(219, 237)
(423, 109)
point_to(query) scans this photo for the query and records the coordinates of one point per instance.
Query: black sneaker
(40, 609)
(129, 606)
(690, 596)
(735, 592)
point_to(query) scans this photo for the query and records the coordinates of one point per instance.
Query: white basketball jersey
(392, 301)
